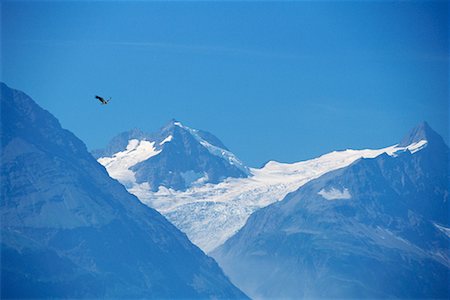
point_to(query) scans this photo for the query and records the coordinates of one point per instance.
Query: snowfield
(211, 213)
(118, 165)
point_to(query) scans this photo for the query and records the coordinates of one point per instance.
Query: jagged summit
(236, 198)
(422, 132)
(176, 126)
(171, 125)
(176, 157)
(36, 125)
(377, 228)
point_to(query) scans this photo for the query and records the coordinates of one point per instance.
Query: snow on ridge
(225, 154)
(346, 156)
(216, 151)
(414, 147)
(211, 213)
(235, 199)
(118, 166)
(335, 194)
(166, 140)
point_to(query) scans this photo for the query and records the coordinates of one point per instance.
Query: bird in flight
(102, 100)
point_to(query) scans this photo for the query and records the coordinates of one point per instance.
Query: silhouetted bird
(102, 100)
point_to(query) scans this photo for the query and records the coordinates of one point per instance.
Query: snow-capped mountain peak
(375, 228)
(212, 211)
(422, 132)
(175, 157)
(219, 151)
(176, 123)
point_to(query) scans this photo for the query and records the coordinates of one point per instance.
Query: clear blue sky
(284, 81)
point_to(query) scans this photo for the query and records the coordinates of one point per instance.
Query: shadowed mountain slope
(70, 231)
(378, 228)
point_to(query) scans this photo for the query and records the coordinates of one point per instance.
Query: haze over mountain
(70, 231)
(378, 228)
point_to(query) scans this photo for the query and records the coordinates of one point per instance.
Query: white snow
(413, 148)
(211, 213)
(227, 155)
(214, 150)
(118, 165)
(217, 151)
(335, 194)
(166, 140)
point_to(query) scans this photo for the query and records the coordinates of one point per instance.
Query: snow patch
(166, 140)
(413, 148)
(335, 194)
(118, 166)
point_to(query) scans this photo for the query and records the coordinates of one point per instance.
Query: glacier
(210, 213)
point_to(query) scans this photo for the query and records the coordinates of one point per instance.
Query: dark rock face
(375, 229)
(68, 230)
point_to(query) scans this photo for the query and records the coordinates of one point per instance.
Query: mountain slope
(176, 157)
(211, 213)
(375, 229)
(68, 230)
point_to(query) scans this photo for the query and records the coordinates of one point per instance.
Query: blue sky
(279, 81)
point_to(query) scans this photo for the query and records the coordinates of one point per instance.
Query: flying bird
(102, 100)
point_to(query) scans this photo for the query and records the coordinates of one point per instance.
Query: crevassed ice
(211, 213)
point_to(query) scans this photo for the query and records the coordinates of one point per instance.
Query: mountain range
(68, 230)
(378, 228)
(371, 223)
(211, 212)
